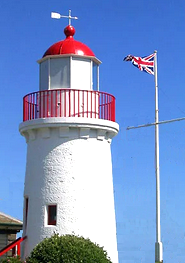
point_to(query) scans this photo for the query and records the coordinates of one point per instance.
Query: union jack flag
(143, 63)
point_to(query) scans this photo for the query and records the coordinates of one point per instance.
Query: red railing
(69, 103)
(15, 246)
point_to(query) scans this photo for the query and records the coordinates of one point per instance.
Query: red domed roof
(69, 46)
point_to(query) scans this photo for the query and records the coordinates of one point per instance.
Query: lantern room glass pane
(59, 73)
(44, 75)
(81, 74)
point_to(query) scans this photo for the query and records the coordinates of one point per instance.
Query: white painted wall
(69, 164)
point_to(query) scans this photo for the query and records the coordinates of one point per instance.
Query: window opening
(26, 206)
(52, 214)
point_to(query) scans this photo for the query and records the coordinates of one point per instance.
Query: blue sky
(112, 29)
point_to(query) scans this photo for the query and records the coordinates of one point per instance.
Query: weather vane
(58, 16)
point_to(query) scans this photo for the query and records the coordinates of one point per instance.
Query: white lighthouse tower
(68, 125)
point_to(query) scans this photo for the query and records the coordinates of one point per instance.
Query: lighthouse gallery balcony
(69, 103)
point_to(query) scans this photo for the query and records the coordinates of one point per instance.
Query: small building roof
(9, 222)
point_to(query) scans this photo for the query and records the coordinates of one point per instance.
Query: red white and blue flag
(143, 63)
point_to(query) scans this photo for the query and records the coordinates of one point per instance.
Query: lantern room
(69, 84)
(69, 64)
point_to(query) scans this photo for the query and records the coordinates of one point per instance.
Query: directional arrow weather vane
(58, 16)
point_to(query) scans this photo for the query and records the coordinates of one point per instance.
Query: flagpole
(158, 244)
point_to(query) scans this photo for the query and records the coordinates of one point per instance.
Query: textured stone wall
(70, 167)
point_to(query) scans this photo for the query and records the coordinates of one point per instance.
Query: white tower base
(69, 165)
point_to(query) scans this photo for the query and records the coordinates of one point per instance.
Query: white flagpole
(158, 244)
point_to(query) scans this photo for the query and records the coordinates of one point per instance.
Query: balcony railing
(69, 103)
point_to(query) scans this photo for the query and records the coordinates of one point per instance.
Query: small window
(26, 214)
(52, 214)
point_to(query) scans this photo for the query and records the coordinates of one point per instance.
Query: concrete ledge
(71, 122)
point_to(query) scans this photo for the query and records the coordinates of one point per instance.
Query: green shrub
(68, 249)
(11, 260)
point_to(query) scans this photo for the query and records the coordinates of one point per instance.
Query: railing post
(23, 110)
(99, 105)
(69, 103)
(87, 105)
(65, 103)
(74, 104)
(114, 110)
(60, 105)
(79, 110)
(91, 103)
(18, 249)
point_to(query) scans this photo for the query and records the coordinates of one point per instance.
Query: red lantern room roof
(69, 46)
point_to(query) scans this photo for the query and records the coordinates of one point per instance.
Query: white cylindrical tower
(68, 125)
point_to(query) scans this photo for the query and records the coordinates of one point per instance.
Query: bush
(68, 249)
(11, 260)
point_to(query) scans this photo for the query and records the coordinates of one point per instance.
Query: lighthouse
(68, 125)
